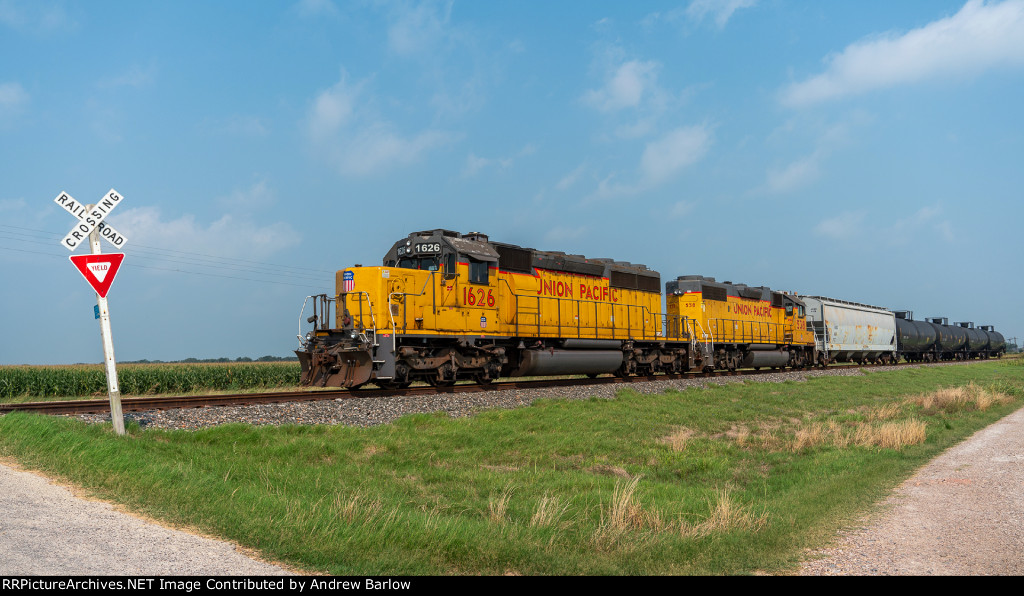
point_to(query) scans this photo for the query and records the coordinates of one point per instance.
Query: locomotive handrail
(405, 322)
(578, 303)
(709, 344)
(303, 309)
(369, 306)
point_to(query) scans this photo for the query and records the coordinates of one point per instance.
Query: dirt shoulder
(962, 514)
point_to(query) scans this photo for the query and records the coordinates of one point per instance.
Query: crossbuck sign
(91, 219)
(99, 271)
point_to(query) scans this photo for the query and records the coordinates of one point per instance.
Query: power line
(195, 260)
(144, 250)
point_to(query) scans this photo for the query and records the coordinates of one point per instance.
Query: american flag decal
(348, 282)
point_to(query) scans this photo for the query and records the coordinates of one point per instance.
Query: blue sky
(865, 150)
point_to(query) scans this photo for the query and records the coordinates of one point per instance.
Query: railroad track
(141, 404)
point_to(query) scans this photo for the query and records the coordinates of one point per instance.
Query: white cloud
(416, 31)
(884, 230)
(570, 179)
(719, 10)
(231, 236)
(677, 149)
(661, 161)
(625, 87)
(333, 108)
(344, 127)
(797, 174)
(980, 36)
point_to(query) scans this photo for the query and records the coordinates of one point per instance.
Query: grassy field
(736, 479)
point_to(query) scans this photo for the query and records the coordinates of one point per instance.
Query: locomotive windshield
(421, 263)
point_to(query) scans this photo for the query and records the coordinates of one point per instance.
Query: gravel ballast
(371, 411)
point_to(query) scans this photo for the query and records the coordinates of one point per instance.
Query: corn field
(144, 379)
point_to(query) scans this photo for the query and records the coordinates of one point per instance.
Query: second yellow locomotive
(446, 306)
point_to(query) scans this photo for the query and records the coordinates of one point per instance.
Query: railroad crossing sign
(91, 217)
(98, 270)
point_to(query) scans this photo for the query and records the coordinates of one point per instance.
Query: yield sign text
(98, 270)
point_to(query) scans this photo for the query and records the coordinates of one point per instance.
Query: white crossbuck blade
(90, 219)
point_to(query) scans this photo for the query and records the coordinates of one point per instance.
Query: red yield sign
(99, 270)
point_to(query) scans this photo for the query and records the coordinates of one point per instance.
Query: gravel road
(46, 530)
(962, 514)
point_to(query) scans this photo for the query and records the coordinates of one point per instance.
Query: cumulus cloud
(229, 236)
(626, 85)
(662, 159)
(980, 36)
(887, 229)
(344, 127)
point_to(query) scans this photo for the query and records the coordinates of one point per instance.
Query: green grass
(735, 479)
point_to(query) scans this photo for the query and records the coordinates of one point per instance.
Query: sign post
(99, 270)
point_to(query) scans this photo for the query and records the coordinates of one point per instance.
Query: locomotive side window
(477, 271)
(449, 264)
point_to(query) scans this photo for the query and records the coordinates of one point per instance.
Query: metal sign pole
(113, 390)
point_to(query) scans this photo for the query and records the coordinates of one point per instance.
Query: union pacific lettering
(583, 291)
(746, 308)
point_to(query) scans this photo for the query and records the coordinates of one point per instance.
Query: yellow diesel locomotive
(446, 306)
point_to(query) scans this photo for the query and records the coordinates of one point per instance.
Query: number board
(424, 248)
